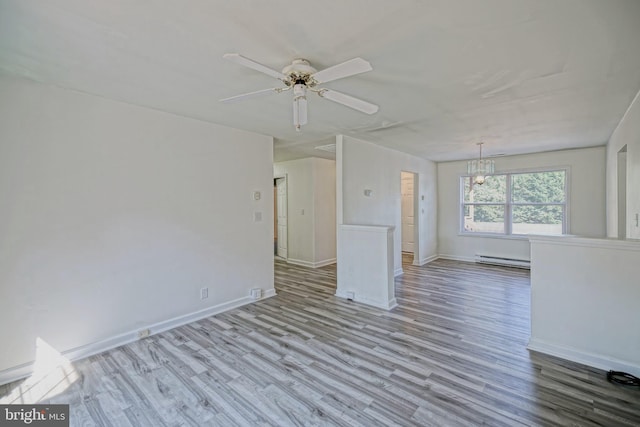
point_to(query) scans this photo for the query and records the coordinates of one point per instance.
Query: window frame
(509, 204)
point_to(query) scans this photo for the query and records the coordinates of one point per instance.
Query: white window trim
(508, 204)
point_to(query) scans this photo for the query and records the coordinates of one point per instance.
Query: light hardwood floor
(453, 353)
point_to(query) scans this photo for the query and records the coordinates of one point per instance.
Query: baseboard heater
(507, 262)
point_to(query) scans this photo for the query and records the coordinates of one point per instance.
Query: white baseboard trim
(299, 262)
(392, 303)
(586, 358)
(322, 263)
(268, 293)
(311, 264)
(24, 370)
(424, 261)
(398, 272)
(456, 258)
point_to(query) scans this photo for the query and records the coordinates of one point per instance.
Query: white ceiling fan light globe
(299, 90)
(299, 106)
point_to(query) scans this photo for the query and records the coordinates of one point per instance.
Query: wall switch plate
(143, 333)
(368, 193)
(204, 293)
(257, 195)
(351, 296)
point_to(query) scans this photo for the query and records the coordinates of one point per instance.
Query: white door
(407, 212)
(281, 204)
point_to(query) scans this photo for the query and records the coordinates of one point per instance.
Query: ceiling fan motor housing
(299, 72)
(299, 67)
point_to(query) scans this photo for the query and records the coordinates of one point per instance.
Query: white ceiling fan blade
(346, 69)
(349, 101)
(244, 96)
(239, 59)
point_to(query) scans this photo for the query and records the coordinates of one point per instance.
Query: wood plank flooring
(452, 353)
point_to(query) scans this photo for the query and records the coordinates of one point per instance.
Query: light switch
(368, 193)
(256, 195)
(257, 216)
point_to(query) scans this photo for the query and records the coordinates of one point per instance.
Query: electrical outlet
(256, 293)
(351, 296)
(204, 293)
(143, 333)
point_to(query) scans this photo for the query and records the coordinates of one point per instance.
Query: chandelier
(479, 169)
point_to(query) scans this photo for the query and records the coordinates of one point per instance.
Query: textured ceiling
(523, 75)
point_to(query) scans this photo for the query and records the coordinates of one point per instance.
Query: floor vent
(507, 262)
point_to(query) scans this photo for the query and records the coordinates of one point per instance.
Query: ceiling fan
(301, 77)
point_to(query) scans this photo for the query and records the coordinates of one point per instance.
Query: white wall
(362, 165)
(584, 301)
(367, 274)
(587, 202)
(627, 133)
(324, 178)
(114, 216)
(311, 198)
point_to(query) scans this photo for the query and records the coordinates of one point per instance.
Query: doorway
(408, 216)
(622, 193)
(280, 226)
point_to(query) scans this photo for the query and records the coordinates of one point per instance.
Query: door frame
(286, 190)
(622, 165)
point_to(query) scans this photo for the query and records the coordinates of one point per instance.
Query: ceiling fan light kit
(300, 77)
(299, 105)
(479, 169)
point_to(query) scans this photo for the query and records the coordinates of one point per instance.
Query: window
(517, 203)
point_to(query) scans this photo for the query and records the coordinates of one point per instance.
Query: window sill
(510, 236)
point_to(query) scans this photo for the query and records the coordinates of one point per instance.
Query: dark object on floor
(623, 378)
